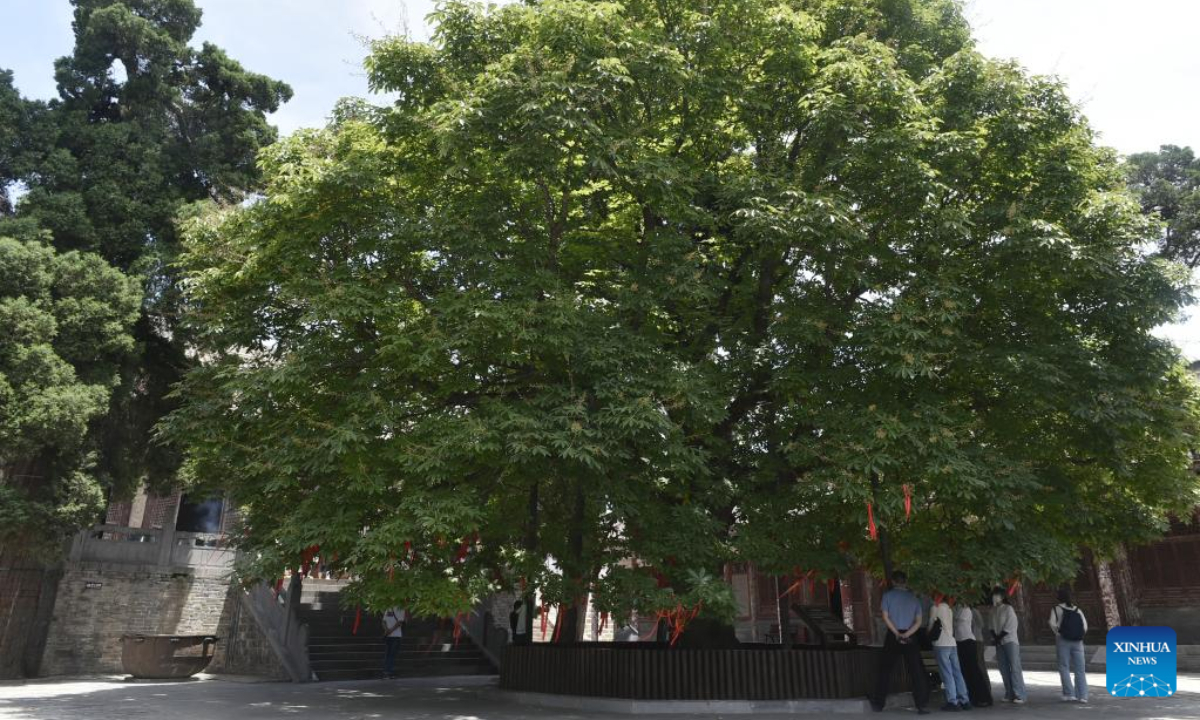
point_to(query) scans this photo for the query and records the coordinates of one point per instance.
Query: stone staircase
(335, 652)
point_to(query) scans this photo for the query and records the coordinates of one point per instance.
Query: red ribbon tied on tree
(558, 618)
(357, 620)
(871, 529)
(907, 501)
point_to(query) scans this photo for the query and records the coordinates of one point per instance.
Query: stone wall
(243, 648)
(96, 604)
(26, 593)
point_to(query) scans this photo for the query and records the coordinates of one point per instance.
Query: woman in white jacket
(1008, 649)
(1069, 626)
(945, 648)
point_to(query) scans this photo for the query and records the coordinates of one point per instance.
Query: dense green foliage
(144, 124)
(67, 320)
(1168, 184)
(686, 283)
(16, 136)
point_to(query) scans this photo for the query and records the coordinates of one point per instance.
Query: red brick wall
(160, 510)
(118, 513)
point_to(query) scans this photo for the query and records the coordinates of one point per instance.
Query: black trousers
(979, 685)
(893, 650)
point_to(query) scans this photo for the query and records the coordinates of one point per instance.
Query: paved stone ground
(212, 698)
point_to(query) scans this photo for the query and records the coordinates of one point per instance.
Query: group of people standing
(956, 632)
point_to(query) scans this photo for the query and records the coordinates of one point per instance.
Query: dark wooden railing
(647, 672)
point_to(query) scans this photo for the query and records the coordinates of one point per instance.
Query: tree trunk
(531, 544)
(571, 618)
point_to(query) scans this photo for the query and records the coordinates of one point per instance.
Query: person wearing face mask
(1008, 650)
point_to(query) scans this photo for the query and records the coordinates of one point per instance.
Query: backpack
(935, 632)
(1070, 625)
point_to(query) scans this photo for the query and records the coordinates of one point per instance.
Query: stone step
(376, 656)
(377, 673)
(337, 653)
(404, 667)
(359, 640)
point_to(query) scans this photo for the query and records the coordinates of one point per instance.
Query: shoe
(922, 711)
(1018, 701)
(1068, 698)
(949, 707)
(964, 706)
(1082, 700)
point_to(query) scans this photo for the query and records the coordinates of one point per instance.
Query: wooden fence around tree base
(647, 672)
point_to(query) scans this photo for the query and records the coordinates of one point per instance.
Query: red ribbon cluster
(907, 501)
(871, 529)
(677, 620)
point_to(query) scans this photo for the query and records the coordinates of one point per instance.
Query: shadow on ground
(114, 699)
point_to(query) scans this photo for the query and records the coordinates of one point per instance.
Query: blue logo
(1141, 662)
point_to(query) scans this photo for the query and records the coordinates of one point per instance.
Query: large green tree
(615, 293)
(144, 124)
(1167, 183)
(16, 137)
(67, 322)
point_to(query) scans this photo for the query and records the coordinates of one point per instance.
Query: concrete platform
(110, 698)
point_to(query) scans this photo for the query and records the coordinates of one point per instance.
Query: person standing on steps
(1008, 650)
(1069, 626)
(518, 623)
(902, 615)
(968, 633)
(945, 649)
(393, 632)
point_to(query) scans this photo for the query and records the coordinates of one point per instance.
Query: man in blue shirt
(902, 615)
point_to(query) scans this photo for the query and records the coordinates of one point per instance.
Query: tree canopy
(615, 293)
(143, 125)
(1167, 183)
(67, 319)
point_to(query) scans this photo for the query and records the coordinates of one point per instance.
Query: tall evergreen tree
(19, 138)
(144, 124)
(67, 319)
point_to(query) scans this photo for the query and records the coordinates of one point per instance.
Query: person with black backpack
(1069, 626)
